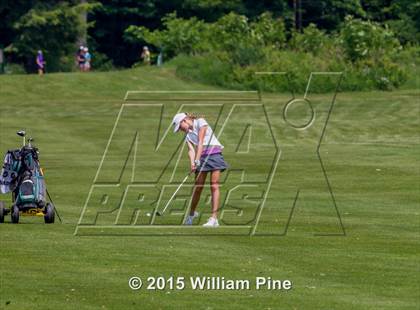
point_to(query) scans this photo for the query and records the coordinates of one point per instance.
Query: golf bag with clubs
(23, 177)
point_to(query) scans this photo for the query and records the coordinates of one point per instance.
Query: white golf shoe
(212, 222)
(190, 218)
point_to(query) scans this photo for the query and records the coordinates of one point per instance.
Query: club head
(158, 213)
(21, 133)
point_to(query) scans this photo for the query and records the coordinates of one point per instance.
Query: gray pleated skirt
(213, 162)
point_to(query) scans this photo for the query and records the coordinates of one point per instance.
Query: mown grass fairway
(370, 152)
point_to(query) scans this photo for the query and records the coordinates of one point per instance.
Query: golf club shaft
(55, 209)
(176, 191)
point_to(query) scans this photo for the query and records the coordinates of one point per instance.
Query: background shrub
(229, 51)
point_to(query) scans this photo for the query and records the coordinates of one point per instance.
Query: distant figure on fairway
(40, 63)
(205, 155)
(159, 61)
(80, 58)
(88, 58)
(145, 55)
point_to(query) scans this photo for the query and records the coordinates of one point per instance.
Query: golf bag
(31, 181)
(10, 171)
(22, 175)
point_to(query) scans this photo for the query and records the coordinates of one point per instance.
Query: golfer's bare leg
(215, 192)
(200, 179)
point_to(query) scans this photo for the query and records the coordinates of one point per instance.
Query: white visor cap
(178, 118)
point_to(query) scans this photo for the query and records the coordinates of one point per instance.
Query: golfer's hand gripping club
(195, 166)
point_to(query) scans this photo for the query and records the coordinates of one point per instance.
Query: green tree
(180, 36)
(403, 17)
(329, 14)
(10, 12)
(113, 17)
(210, 10)
(52, 29)
(269, 31)
(365, 39)
(311, 40)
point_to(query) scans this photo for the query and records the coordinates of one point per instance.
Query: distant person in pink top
(205, 154)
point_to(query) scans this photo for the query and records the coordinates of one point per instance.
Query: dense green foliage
(21, 27)
(402, 16)
(224, 42)
(229, 51)
(52, 30)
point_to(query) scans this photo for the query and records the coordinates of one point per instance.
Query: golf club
(22, 134)
(158, 213)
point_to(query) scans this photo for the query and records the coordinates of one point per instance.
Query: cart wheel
(15, 214)
(49, 213)
(2, 212)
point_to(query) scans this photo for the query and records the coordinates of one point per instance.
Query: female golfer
(205, 154)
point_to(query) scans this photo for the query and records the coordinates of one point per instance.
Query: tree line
(111, 27)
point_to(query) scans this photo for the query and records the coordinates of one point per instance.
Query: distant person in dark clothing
(40, 63)
(80, 58)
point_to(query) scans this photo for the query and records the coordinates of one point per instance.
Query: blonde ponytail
(194, 116)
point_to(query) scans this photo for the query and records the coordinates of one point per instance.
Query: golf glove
(197, 163)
